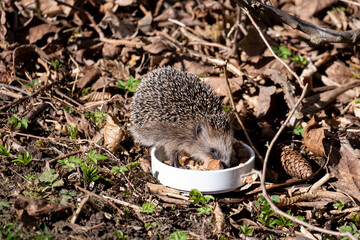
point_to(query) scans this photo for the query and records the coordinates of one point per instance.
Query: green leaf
(147, 208)
(346, 228)
(275, 198)
(58, 183)
(178, 236)
(48, 176)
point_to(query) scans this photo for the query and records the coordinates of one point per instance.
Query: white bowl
(208, 182)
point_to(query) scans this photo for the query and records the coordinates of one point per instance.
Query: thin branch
(318, 35)
(238, 117)
(270, 48)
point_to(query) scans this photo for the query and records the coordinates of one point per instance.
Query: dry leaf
(124, 3)
(30, 210)
(38, 32)
(24, 53)
(157, 46)
(218, 84)
(339, 73)
(314, 136)
(91, 75)
(264, 100)
(345, 168)
(219, 219)
(114, 134)
(145, 165)
(144, 24)
(96, 96)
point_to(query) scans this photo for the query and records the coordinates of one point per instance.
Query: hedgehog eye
(213, 152)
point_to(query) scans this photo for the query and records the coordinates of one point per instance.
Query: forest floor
(69, 169)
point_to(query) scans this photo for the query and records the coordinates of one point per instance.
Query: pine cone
(294, 163)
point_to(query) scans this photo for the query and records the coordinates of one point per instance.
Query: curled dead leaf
(29, 210)
(313, 137)
(91, 75)
(114, 134)
(96, 96)
(219, 219)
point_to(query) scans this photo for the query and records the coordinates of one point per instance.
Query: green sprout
(33, 83)
(298, 130)
(23, 159)
(245, 230)
(70, 162)
(120, 235)
(122, 169)
(178, 236)
(56, 64)
(130, 85)
(147, 208)
(199, 198)
(340, 205)
(4, 151)
(91, 172)
(17, 122)
(92, 156)
(73, 131)
(48, 178)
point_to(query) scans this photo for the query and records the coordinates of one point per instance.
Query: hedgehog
(177, 112)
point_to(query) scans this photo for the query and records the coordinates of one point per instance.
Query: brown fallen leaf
(38, 32)
(345, 166)
(30, 210)
(91, 75)
(114, 134)
(264, 100)
(144, 24)
(219, 219)
(313, 137)
(218, 84)
(157, 46)
(25, 53)
(96, 96)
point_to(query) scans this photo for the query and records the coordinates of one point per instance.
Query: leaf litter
(70, 69)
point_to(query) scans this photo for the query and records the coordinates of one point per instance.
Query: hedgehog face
(213, 143)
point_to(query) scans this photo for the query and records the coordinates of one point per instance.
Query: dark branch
(317, 34)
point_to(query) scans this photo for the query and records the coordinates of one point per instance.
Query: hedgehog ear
(200, 127)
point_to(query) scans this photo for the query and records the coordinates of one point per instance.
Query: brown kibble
(185, 160)
(212, 164)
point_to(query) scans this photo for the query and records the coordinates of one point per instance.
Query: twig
(262, 177)
(351, 2)
(47, 138)
(237, 115)
(235, 70)
(123, 203)
(270, 48)
(317, 34)
(14, 88)
(100, 197)
(319, 183)
(77, 74)
(78, 210)
(17, 101)
(65, 156)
